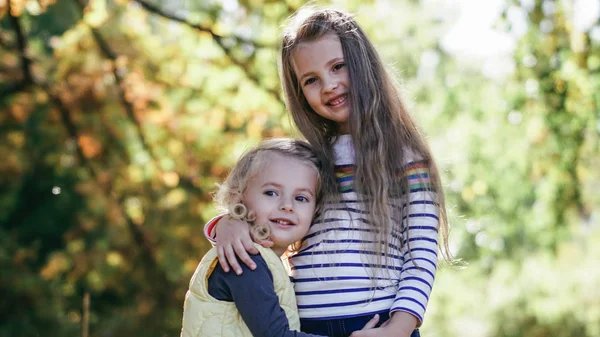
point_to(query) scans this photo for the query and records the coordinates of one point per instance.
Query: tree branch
(219, 40)
(13, 89)
(110, 54)
(156, 10)
(186, 182)
(22, 47)
(25, 63)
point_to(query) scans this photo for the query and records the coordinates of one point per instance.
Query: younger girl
(373, 248)
(276, 186)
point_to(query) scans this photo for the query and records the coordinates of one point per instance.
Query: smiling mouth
(283, 222)
(337, 101)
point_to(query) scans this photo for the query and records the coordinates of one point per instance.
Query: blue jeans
(342, 327)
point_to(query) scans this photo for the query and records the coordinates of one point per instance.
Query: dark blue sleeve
(255, 298)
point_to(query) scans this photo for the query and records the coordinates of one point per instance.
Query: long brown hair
(383, 132)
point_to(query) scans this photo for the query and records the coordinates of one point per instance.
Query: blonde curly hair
(229, 194)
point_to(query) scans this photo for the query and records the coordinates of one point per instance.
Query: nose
(286, 207)
(330, 85)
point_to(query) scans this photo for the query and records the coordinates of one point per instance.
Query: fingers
(230, 256)
(222, 259)
(227, 257)
(265, 243)
(240, 250)
(233, 238)
(249, 245)
(372, 323)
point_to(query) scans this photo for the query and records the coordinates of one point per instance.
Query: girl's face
(283, 196)
(323, 76)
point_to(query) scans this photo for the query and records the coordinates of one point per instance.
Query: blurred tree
(119, 116)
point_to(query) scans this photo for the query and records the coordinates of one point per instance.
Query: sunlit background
(119, 116)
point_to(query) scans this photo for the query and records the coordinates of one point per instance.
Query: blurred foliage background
(118, 117)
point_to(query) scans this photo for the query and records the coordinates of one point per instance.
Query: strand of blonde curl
(258, 231)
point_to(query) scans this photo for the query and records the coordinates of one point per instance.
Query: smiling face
(322, 74)
(283, 196)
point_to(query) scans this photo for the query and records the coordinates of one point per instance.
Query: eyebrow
(329, 63)
(307, 190)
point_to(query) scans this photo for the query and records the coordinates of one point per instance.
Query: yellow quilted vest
(204, 315)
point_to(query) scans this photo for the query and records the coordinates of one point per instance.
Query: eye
(310, 81)
(302, 198)
(339, 66)
(270, 193)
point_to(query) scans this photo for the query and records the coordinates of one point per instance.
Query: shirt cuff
(211, 225)
(410, 311)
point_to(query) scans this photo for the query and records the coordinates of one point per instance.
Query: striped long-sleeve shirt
(333, 272)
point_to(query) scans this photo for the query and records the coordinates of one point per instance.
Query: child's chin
(280, 242)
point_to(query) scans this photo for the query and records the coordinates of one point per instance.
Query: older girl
(373, 248)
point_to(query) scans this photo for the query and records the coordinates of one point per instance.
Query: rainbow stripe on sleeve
(344, 175)
(417, 173)
(418, 176)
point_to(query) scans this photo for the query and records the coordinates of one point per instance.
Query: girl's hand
(372, 323)
(233, 237)
(401, 324)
